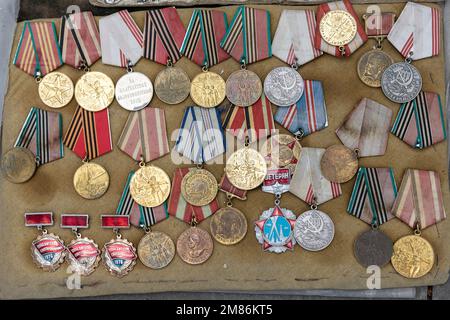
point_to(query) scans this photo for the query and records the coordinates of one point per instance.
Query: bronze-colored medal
(18, 165)
(56, 89)
(371, 66)
(243, 88)
(150, 186)
(91, 180)
(246, 168)
(338, 28)
(228, 226)
(339, 163)
(156, 250)
(199, 187)
(195, 246)
(282, 150)
(172, 85)
(373, 247)
(94, 91)
(208, 89)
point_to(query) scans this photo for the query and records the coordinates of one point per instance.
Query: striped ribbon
(253, 122)
(41, 133)
(38, 52)
(201, 42)
(420, 122)
(379, 24)
(309, 114)
(144, 135)
(417, 30)
(419, 199)
(79, 39)
(226, 186)
(248, 37)
(308, 183)
(366, 128)
(294, 37)
(201, 137)
(373, 195)
(163, 35)
(121, 39)
(139, 215)
(351, 47)
(89, 134)
(180, 209)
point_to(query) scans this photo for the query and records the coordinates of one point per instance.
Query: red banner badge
(77, 221)
(378, 24)
(110, 221)
(226, 186)
(277, 181)
(38, 219)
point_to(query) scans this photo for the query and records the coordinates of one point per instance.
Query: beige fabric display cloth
(241, 267)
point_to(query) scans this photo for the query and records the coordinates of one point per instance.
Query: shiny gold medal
(246, 168)
(172, 84)
(338, 28)
(228, 225)
(339, 163)
(94, 91)
(18, 165)
(282, 151)
(91, 181)
(208, 89)
(199, 187)
(55, 90)
(155, 250)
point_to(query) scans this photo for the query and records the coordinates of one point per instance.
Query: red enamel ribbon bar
(115, 221)
(36, 219)
(74, 221)
(226, 186)
(379, 24)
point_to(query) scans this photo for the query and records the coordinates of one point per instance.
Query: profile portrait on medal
(230, 226)
(375, 66)
(195, 247)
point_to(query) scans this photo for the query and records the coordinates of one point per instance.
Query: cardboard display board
(241, 267)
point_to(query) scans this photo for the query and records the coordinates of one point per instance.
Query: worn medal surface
(194, 246)
(199, 187)
(134, 91)
(83, 256)
(373, 247)
(338, 27)
(413, 256)
(94, 91)
(282, 151)
(243, 88)
(18, 165)
(48, 251)
(401, 82)
(56, 90)
(228, 226)
(371, 66)
(208, 89)
(119, 256)
(150, 186)
(172, 85)
(91, 180)
(246, 168)
(283, 86)
(156, 250)
(314, 230)
(339, 163)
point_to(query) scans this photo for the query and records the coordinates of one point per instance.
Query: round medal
(339, 163)
(119, 256)
(194, 246)
(199, 187)
(282, 150)
(314, 230)
(243, 88)
(172, 85)
(401, 82)
(283, 86)
(373, 247)
(150, 186)
(83, 256)
(156, 250)
(208, 89)
(246, 168)
(94, 91)
(228, 226)
(134, 91)
(371, 66)
(48, 251)
(338, 28)
(91, 181)
(56, 89)
(413, 256)
(18, 165)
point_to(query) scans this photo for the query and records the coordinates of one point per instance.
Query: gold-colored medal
(56, 89)
(18, 165)
(199, 187)
(91, 181)
(150, 186)
(94, 91)
(338, 28)
(228, 226)
(208, 89)
(339, 163)
(246, 168)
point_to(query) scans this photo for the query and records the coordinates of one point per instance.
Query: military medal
(195, 245)
(82, 253)
(283, 151)
(47, 250)
(284, 86)
(199, 187)
(419, 204)
(243, 87)
(172, 84)
(314, 230)
(91, 180)
(339, 163)
(208, 89)
(38, 143)
(156, 250)
(55, 90)
(118, 255)
(94, 91)
(401, 82)
(134, 90)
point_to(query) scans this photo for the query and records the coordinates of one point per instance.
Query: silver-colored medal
(314, 230)
(283, 86)
(134, 91)
(401, 82)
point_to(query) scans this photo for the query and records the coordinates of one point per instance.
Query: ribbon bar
(115, 222)
(75, 221)
(38, 219)
(378, 24)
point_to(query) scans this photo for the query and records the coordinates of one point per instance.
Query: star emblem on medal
(274, 230)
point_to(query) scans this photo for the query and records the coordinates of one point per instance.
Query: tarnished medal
(94, 91)
(371, 66)
(228, 225)
(47, 250)
(195, 245)
(283, 86)
(91, 180)
(155, 249)
(314, 230)
(18, 165)
(172, 84)
(282, 151)
(373, 248)
(56, 90)
(208, 89)
(199, 187)
(83, 254)
(401, 82)
(338, 28)
(243, 87)
(118, 255)
(339, 163)
(134, 90)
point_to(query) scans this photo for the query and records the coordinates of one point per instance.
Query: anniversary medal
(118, 255)
(39, 142)
(284, 86)
(364, 133)
(419, 204)
(47, 250)
(371, 201)
(283, 151)
(82, 253)
(89, 137)
(372, 64)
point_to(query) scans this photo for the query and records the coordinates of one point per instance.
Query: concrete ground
(29, 9)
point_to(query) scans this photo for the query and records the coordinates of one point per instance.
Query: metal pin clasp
(129, 66)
